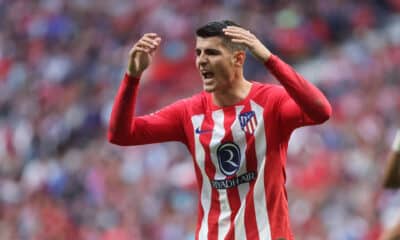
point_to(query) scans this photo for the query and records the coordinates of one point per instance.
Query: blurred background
(61, 62)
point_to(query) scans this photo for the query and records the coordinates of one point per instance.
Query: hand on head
(245, 37)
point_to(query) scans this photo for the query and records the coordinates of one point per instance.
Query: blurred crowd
(61, 63)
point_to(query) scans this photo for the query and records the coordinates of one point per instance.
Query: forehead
(209, 42)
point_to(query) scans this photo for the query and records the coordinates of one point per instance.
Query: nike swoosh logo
(199, 131)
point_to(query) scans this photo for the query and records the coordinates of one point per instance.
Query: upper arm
(289, 112)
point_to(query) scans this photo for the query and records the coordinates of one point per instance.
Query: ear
(239, 58)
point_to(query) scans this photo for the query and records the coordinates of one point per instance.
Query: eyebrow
(208, 50)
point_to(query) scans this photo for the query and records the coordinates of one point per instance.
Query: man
(236, 130)
(391, 180)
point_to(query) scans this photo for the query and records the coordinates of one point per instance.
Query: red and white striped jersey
(239, 152)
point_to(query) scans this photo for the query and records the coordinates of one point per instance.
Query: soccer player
(236, 130)
(391, 180)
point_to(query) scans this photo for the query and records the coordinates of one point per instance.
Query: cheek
(225, 69)
(221, 64)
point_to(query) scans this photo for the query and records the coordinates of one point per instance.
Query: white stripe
(260, 204)
(239, 137)
(225, 210)
(224, 220)
(240, 230)
(205, 194)
(217, 135)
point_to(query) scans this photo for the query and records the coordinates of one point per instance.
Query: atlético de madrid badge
(248, 121)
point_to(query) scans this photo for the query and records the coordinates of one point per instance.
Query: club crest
(248, 122)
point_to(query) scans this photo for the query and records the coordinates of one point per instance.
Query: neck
(234, 94)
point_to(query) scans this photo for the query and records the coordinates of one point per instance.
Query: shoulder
(195, 99)
(269, 96)
(268, 91)
(196, 103)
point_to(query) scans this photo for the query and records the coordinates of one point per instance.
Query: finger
(150, 35)
(238, 36)
(158, 40)
(153, 43)
(150, 42)
(241, 41)
(140, 49)
(145, 44)
(243, 32)
(235, 28)
(145, 48)
(238, 31)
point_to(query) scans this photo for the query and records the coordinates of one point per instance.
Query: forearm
(392, 171)
(121, 121)
(309, 98)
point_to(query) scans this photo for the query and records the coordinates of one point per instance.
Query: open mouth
(207, 74)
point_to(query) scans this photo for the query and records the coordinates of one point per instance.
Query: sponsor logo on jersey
(248, 121)
(228, 158)
(233, 182)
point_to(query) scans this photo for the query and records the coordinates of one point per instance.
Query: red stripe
(233, 193)
(199, 187)
(250, 221)
(210, 170)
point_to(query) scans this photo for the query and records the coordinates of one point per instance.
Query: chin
(209, 88)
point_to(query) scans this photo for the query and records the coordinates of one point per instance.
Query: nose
(201, 59)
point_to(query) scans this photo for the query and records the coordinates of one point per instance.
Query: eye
(198, 52)
(212, 52)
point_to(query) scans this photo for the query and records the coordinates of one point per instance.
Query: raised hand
(141, 54)
(243, 36)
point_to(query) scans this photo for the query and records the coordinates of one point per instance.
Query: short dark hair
(214, 29)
